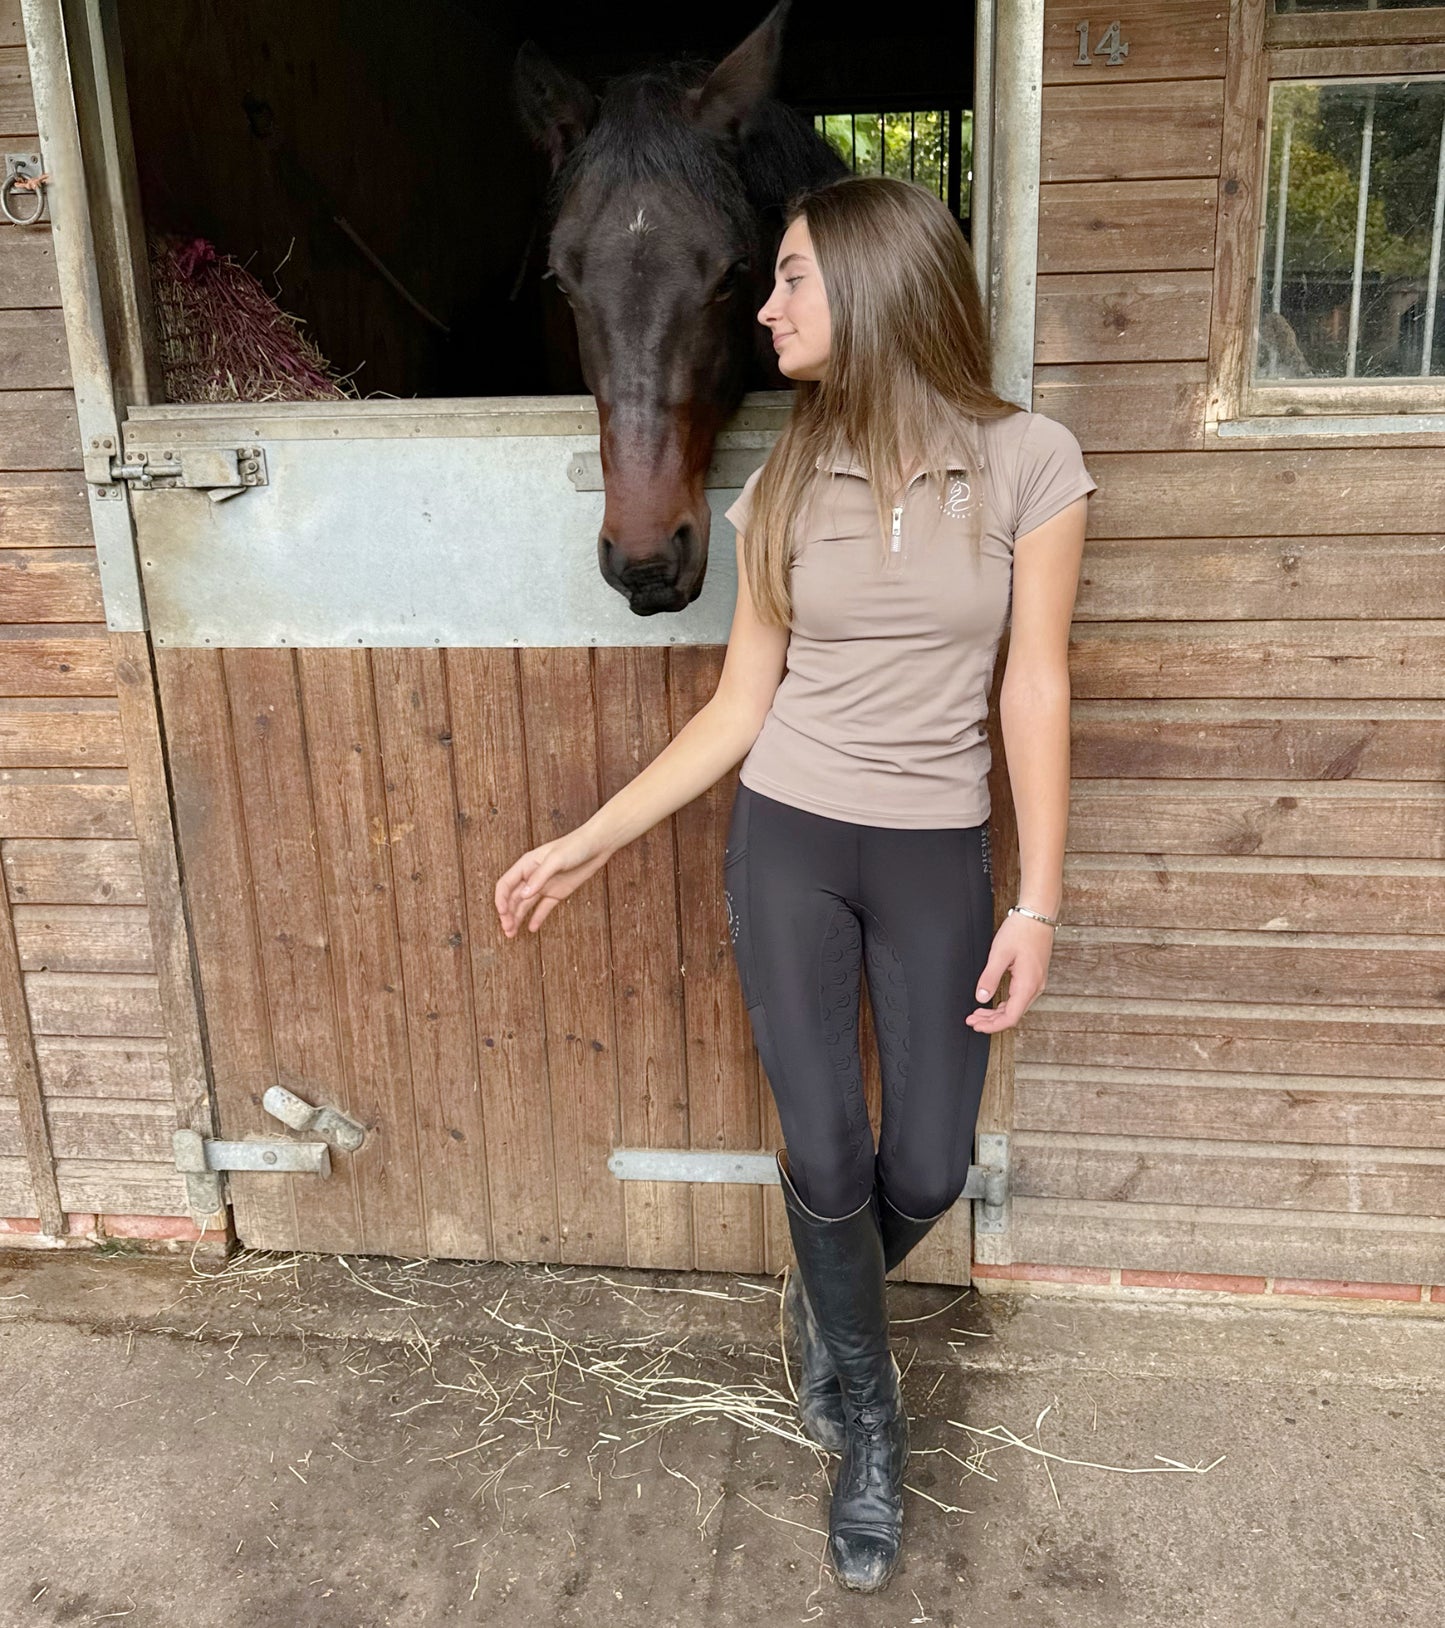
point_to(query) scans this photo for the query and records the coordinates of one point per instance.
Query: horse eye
(729, 279)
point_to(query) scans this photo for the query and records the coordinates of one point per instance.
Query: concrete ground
(368, 1442)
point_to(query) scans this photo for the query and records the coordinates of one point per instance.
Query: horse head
(665, 212)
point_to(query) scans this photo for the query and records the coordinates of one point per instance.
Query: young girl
(904, 516)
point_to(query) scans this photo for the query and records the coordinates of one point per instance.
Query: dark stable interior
(260, 127)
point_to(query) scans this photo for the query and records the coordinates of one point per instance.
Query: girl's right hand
(544, 876)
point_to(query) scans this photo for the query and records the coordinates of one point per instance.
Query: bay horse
(664, 214)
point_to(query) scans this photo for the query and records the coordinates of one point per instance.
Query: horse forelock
(644, 132)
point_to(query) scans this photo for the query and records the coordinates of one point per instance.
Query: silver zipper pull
(897, 527)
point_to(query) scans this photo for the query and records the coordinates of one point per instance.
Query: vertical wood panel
(291, 919)
(723, 1072)
(18, 1041)
(357, 885)
(648, 983)
(432, 918)
(211, 829)
(561, 767)
(495, 826)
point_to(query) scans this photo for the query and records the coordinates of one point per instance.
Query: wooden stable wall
(1236, 1067)
(88, 1081)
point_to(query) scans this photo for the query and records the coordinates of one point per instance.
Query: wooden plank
(53, 732)
(724, 1073)
(12, 25)
(1399, 59)
(83, 938)
(1158, 494)
(74, 872)
(292, 929)
(366, 850)
(1199, 964)
(1309, 1109)
(17, 104)
(1213, 1238)
(30, 280)
(1166, 41)
(33, 354)
(1233, 1035)
(1260, 579)
(55, 659)
(1275, 1175)
(1111, 131)
(1126, 406)
(94, 1128)
(65, 803)
(561, 768)
(95, 1003)
(50, 585)
(1287, 895)
(100, 1188)
(39, 430)
(121, 1068)
(29, 1133)
(1356, 35)
(1110, 316)
(647, 978)
(1377, 821)
(416, 813)
(1257, 740)
(352, 845)
(1344, 660)
(495, 827)
(155, 838)
(211, 831)
(1127, 226)
(47, 509)
(1239, 210)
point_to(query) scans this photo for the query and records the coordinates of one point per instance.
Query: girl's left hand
(1022, 948)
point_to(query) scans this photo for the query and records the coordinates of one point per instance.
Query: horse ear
(724, 103)
(557, 109)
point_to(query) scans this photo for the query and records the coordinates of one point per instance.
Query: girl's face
(797, 311)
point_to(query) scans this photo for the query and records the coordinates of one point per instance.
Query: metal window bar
(1281, 214)
(949, 185)
(1357, 272)
(1432, 280)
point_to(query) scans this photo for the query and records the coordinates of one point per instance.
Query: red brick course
(1355, 1291)
(1193, 1280)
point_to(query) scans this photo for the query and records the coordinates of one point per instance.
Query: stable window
(1353, 207)
(1347, 310)
(932, 147)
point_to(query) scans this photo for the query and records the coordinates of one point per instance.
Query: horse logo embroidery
(954, 501)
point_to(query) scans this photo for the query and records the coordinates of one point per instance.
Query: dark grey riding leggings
(812, 899)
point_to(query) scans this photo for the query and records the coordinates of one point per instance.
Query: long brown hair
(909, 368)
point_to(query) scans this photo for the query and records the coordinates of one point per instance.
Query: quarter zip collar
(957, 459)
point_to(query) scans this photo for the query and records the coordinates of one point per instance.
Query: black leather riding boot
(841, 1264)
(820, 1397)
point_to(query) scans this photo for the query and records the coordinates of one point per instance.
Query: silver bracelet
(1023, 910)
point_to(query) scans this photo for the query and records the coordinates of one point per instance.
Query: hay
(223, 338)
(508, 1395)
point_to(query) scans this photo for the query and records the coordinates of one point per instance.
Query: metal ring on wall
(19, 182)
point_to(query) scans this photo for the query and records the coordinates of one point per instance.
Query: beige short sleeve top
(880, 715)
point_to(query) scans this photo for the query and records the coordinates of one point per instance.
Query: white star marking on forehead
(641, 224)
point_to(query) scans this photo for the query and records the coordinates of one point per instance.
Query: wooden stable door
(344, 816)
